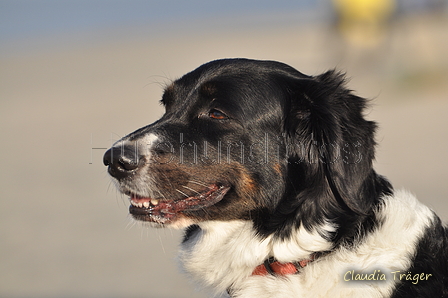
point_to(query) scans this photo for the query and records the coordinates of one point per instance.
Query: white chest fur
(223, 254)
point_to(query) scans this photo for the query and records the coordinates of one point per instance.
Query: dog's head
(251, 140)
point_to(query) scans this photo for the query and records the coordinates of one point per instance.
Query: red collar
(273, 267)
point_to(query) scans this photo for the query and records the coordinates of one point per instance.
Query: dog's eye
(218, 115)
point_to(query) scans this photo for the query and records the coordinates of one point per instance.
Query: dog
(269, 171)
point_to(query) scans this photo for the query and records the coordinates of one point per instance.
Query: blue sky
(30, 21)
(26, 18)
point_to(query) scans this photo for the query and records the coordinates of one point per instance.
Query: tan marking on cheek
(278, 168)
(248, 184)
(245, 184)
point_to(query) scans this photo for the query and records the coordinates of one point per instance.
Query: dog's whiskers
(161, 193)
(191, 189)
(198, 183)
(130, 225)
(179, 191)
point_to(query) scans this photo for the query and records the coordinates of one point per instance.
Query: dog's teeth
(141, 203)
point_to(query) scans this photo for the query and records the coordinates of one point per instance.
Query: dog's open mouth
(164, 211)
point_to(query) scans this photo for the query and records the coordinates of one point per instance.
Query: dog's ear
(329, 141)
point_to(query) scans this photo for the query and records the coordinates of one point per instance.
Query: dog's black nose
(122, 161)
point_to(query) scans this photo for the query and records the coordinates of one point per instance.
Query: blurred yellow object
(363, 22)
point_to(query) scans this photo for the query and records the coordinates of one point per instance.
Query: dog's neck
(223, 253)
